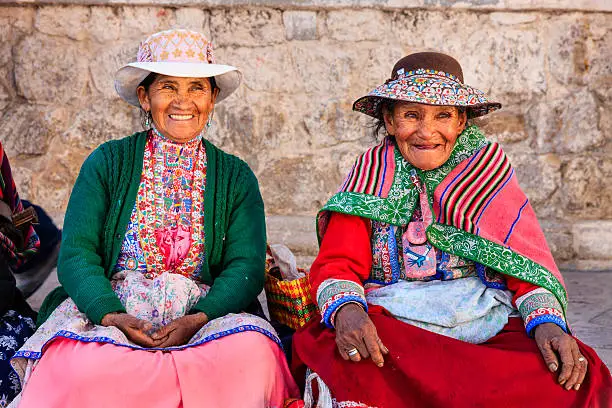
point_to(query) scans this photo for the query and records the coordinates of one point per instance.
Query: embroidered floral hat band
(431, 78)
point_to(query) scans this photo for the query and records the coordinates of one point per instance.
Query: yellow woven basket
(289, 302)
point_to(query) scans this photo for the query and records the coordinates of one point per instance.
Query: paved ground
(590, 308)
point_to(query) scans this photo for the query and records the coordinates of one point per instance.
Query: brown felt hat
(430, 78)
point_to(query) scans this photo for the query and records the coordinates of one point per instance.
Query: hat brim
(428, 91)
(129, 77)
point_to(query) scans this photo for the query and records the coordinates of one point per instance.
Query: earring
(148, 120)
(209, 121)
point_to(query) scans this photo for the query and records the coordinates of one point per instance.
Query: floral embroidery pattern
(170, 205)
(540, 306)
(131, 257)
(429, 87)
(14, 331)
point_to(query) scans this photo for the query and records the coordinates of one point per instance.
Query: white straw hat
(177, 52)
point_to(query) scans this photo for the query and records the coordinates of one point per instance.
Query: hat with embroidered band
(430, 78)
(180, 53)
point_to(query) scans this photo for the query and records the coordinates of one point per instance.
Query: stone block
(107, 61)
(27, 129)
(567, 125)
(261, 127)
(300, 25)
(357, 25)
(593, 239)
(327, 71)
(55, 176)
(97, 123)
(504, 127)
(298, 185)
(5, 97)
(254, 131)
(540, 177)
(233, 126)
(598, 58)
(50, 69)
(505, 18)
(69, 21)
(105, 24)
(22, 175)
(559, 238)
(586, 191)
(297, 232)
(246, 27)
(518, 63)
(137, 23)
(566, 38)
(376, 68)
(605, 122)
(193, 18)
(19, 18)
(332, 121)
(265, 69)
(7, 77)
(460, 34)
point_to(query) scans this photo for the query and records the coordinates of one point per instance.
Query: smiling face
(425, 134)
(179, 106)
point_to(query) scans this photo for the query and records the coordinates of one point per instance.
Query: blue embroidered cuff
(330, 313)
(333, 293)
(540, 306)
(545, 318)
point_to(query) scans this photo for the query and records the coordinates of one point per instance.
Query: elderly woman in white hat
(434, 280)
(163, 250)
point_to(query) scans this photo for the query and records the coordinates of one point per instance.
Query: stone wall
(304, 62)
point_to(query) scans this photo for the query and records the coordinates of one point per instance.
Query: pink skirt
(241, 370)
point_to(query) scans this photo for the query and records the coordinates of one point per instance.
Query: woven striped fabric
(373, 171)
(8, 193)
(471, 191)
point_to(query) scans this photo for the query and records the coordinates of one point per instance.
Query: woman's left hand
(179, 331)
(553, 341)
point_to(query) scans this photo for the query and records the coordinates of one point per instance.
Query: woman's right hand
(135, 329)
(355, 330)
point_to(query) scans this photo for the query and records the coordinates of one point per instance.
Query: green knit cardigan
(99, 210)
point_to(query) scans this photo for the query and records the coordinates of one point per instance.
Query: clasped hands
(357, 339)
(176, 333)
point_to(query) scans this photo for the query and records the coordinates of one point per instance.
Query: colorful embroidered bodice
(403, 253)
(166, 229)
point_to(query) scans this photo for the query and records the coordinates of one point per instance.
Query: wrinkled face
(425, 134)
(179, 106)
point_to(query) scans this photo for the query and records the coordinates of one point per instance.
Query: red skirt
(425, 369)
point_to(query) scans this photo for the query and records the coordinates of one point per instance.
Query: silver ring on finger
(352, 352)
(581, 359)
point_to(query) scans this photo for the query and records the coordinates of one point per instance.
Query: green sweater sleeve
(80, 267)
(242, 267)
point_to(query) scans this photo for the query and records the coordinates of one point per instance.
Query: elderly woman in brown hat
(434, 281)
(163, 249)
